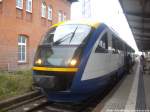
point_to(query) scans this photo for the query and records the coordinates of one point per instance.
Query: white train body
(100, 64)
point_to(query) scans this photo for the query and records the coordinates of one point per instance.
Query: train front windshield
(62, 46)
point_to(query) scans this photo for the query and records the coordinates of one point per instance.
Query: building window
(19, 4)
(22, 44)
(29, 5)
(1, 7)
(60, 16)
(49, 13)
(43, 9)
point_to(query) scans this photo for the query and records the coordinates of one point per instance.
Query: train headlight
(73, 62)
(38, 62)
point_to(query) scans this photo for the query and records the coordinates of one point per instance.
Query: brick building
(22, 24)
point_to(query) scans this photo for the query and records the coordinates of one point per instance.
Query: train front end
(57, 61)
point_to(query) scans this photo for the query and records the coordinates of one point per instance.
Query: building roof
(137, 13)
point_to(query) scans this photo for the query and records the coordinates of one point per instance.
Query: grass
(14, 84)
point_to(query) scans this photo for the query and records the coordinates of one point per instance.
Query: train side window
(102, 44)
(120, 46)
(115, 45)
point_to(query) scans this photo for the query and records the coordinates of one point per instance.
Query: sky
(109, 12)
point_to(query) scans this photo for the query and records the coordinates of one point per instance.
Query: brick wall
(14, 22)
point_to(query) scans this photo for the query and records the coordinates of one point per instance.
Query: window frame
(21, 52)
(27, 6)
(49, 16)
(99, 48)
(117, 45)
(43, 8)
(18, 5)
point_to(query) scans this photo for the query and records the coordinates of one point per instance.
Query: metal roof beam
(139, 38)
(145, 40)
(139, 14)
(141, 35)
(139, 20)
(145, 30)
(138, 17)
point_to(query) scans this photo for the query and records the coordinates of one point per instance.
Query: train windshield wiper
(65, 38)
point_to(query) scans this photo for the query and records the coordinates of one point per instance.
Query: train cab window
(49, 36)
(102, 45)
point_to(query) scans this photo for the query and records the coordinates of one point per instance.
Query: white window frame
(25, 45)
(49, 13)
(29, 9)
(19, 4)
(43, 9)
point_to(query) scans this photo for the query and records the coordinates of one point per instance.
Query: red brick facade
(15, 22)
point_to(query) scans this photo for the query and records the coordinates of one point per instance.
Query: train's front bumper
(52, 79)
(57, 90)
(56, 84)
(47, 82)
(66, 96)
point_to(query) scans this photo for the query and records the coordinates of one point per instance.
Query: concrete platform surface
(131, 94)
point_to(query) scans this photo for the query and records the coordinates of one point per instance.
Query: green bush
(15, 83)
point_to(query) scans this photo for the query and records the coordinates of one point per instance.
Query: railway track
(18, 101)
(30, 105)
(86, 106)
(36, 102)
(42, 105)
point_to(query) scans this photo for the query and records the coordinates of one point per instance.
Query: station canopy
(137, 13)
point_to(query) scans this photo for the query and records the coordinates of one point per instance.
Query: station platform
(131, 94)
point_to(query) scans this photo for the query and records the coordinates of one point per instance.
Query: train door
(110, 50)
(98, 62)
